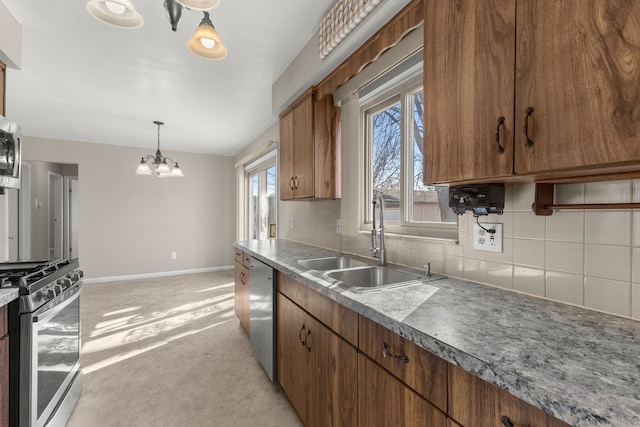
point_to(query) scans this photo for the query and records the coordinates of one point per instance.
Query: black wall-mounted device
(481, 199)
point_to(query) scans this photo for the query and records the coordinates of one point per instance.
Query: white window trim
(385, 96)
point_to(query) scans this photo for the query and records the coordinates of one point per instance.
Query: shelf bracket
(543, 203)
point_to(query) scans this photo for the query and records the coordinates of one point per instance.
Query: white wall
(130, 224)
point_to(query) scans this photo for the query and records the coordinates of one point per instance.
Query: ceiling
(82, 80)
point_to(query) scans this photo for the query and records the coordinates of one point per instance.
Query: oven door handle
(48, 311)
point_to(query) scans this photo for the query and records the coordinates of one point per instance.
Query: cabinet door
(578, 68)
(474, 402)
(468, 85)
(383, 400)
(286, 151)
(333, 380)
(242, 297)
(4, 381)
(304, 150)
(292, 357)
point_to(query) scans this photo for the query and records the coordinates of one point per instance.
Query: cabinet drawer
(340, 319)
(246, 260)
(239, 255)
(3, 321)
(416, 367)
(474, 402)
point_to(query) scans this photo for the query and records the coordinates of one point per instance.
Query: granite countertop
(7, 295)
(579, 365)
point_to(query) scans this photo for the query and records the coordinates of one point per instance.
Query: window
(262, 198)
(393, 157)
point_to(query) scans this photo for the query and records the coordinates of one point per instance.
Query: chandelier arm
(171, 160)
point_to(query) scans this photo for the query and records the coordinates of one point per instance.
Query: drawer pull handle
(527, 113)
(506, 422)
(387, 353)
(307, 342)
(300, 335)
(500, 123)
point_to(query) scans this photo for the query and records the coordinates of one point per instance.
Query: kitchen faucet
(378, 251)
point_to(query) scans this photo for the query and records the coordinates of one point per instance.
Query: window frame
(260, 167)
(371, 103)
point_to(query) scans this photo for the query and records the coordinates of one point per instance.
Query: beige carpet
(170, 352)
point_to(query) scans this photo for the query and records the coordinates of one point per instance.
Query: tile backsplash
(587, 258)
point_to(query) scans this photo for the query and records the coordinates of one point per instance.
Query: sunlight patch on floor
(133, 333)
(215, 288)
(124, 310)
(127, 355)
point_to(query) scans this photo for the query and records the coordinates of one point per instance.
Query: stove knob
(51, 293)
(58, 289)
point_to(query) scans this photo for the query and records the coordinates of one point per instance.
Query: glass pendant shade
(176, 171)
(163, 169)
(200, 44)
(143, 168)
(200, 4)
(119, 13)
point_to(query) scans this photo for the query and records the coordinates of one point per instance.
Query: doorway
(262, 199)
(56, 212)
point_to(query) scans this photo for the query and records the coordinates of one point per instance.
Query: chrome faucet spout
(377, 244)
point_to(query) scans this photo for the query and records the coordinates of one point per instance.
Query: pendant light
(206, 42)
(200, 4)
(174, 13)
(119, 13)
(160, 163)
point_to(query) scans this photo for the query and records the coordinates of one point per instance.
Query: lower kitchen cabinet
(474, 402)
(384, 400)
(4, 368)
(317, 369)
(451, 423)
(242, 296)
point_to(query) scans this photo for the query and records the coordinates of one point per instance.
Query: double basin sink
(360, 275)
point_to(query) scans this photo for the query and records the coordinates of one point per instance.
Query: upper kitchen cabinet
(309, 149)
(555, 95)
(468, 85)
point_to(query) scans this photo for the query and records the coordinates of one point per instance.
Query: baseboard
(154, 275)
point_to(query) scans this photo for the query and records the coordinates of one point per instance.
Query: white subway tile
(475, 270)
(437, 262)
(500, 274)
(528, 252)
(569, 194)
(528, 226)
(568, 257)
(453, 249)
(635, 301)
(608, 262)
(435, 247)
(607, 192)
(635, 266)
(509, 198)
(528, 280)
(636, 190)
(523, 198)
(636, 228)
(608, 295)
(566, 226)
(608, 228)
(454, 266)
(565, 287)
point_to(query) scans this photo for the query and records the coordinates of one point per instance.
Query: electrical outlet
(174, 255)
(338, 226)
(292, 222)
(488, 238)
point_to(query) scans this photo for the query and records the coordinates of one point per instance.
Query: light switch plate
(484, 240)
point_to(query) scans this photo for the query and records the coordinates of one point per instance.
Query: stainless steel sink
(332, 263)
(375, 277)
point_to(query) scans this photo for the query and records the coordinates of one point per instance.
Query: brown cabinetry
(309, 156)
(242, 296)
(570, 107)
(317, 369)
(384, 400)
(474, 402)
(4, 368)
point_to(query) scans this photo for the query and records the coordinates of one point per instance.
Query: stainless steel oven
(45, 357)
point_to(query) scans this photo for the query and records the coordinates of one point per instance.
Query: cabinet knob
(528, 142)
(500, 123)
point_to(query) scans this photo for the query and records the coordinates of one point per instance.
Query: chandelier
(205, 42)
(159, 162)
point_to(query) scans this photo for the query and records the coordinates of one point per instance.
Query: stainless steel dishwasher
(262, 315)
